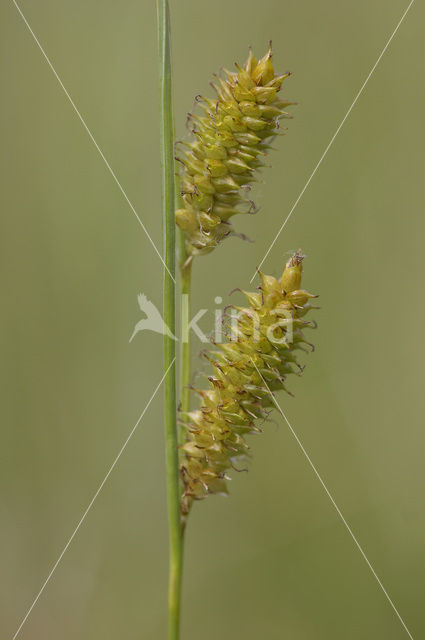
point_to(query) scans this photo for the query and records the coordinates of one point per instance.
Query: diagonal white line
(332, 140)
(92, 501)
(347, 526)
(111, 171)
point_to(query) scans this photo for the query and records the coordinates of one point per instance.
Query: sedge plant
(232, 133)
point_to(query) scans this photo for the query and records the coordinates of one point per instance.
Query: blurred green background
(274, 560)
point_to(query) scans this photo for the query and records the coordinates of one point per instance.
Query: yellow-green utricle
(231, 142)
(261, 351)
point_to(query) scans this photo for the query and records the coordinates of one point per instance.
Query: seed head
(232, 138)
(258, 355)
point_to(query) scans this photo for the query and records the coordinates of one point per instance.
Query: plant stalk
(185, 266)
(169, 312)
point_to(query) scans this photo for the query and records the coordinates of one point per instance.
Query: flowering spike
(232, 137)
(245, 370)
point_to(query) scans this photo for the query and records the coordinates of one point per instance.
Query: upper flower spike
(231, 141)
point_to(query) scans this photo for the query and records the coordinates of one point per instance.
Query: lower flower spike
(260, 352)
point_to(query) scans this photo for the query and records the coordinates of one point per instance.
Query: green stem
(185, 303)
(185, 373)
(171, 437)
